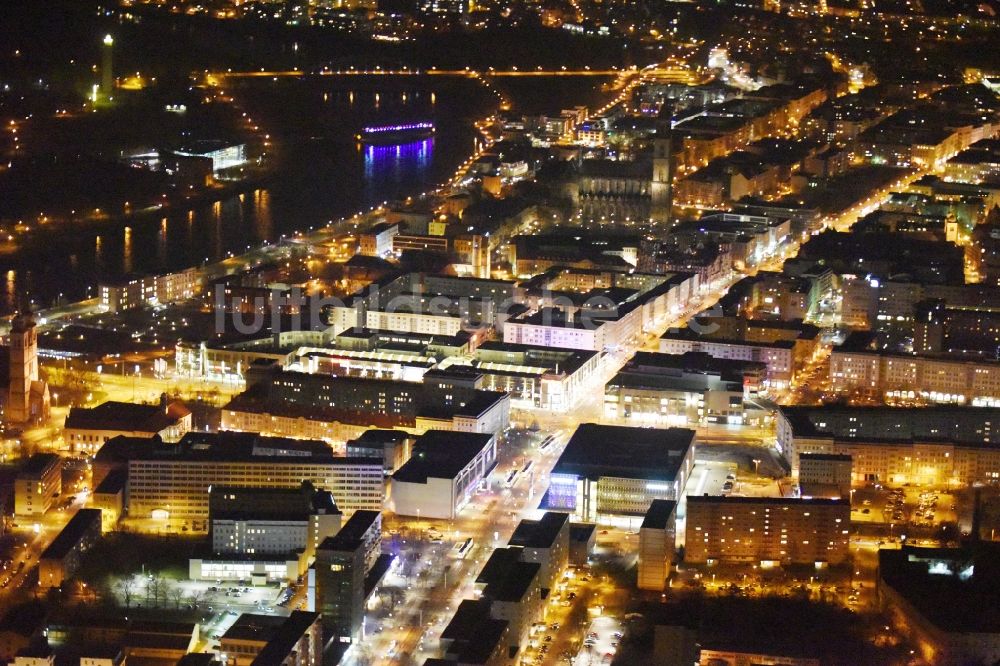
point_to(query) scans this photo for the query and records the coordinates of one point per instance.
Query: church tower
(661, 187)
(23, 369)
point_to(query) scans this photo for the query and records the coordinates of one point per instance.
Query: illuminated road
(432, 580)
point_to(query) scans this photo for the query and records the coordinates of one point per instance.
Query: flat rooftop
(659, 515)
(266, 503)
(769, 501)
(475, 634)
(945, 423)
(540, 533)
(382, 436)
(698, 362)
(38, 464)
(581, 532)
(254, 627)
(441, 454)
(832, 457)
(285, 638)
(506, 577)
(639, 453)
(351, 535)
(113, 483)
(230, 446)
(688, 334)
(955, 589)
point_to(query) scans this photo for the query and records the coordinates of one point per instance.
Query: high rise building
(341, 575)
(656, 544)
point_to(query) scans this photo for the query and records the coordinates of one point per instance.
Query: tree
(197, 596)
(177, 595)
(126, 589)
(156, 589)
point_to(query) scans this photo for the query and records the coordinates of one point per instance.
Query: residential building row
(936, 446)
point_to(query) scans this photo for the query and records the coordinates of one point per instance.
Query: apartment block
(771, 531)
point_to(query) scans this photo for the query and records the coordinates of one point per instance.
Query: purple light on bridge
(398, 128)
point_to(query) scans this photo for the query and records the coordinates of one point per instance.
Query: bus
(462, 549)
(511, 478)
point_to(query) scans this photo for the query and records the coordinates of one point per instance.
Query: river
(322, 175)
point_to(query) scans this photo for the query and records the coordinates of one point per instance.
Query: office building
(426, 304)
(595, 310)
(61, 559)
(37, 484)
(770, 531)
(443, 473)
(926, 445)
(252, 521)
(968, 330)
(687, 389)
(536, 254)
(657, 537)
(377, 241)
(172, 480)
(296, 404)
(223, 155)
(783, 346)
(88, 428)
(394, 447)
(582, 542)
(536, 377)
(348, 566)
(592, 479)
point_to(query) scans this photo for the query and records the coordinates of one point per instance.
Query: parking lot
(601, 642)
(903, 506)
(218, 604)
